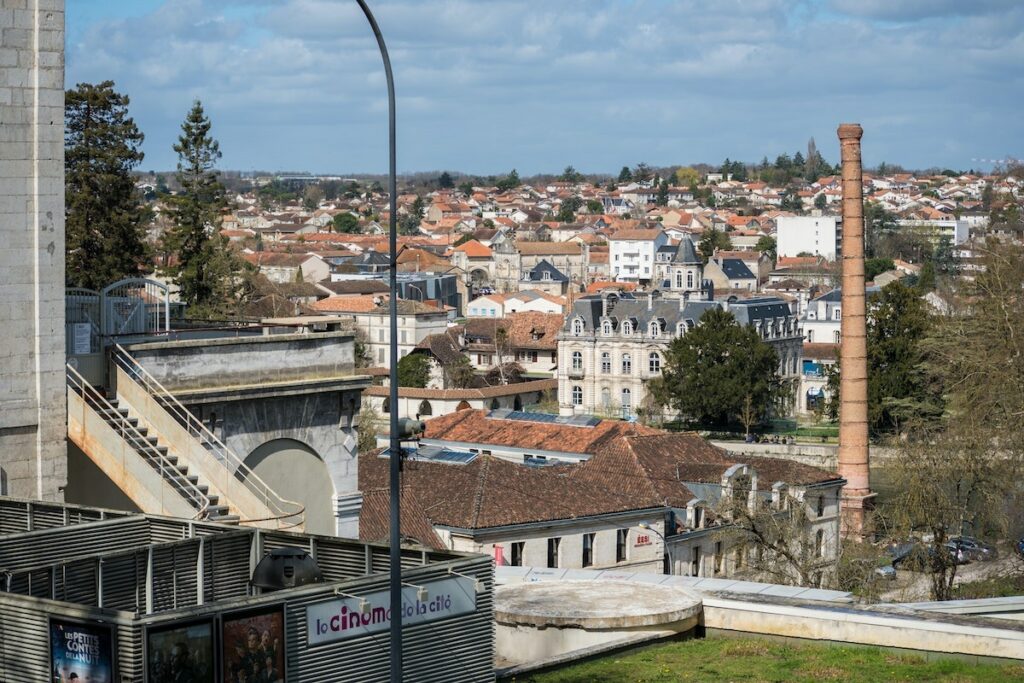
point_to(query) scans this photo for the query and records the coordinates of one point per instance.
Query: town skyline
(485, 87)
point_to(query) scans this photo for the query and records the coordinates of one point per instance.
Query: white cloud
(487, 85)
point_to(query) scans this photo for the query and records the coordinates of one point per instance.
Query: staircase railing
(169, 471)
(288, 513)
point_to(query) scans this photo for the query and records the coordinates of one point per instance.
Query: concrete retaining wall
(891, 627)
(211, 363)
(815, 455)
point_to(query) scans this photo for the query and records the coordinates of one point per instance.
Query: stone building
(614, 343)
(33, 459)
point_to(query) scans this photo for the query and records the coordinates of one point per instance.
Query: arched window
(680, 329)
(385, 407)
(654, 363)
(577, 327)
(627, 364)
(577, 360)
(517, 404)
(606, 328)
(606, 398)
(627, 400)
(606, 362)
(837, 337)
(653, 328)
(689, 279)
(627, 328)
(494, 404)
(425, 410)
(679, 279)
(577, 395)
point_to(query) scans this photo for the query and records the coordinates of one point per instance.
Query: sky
(489, 85)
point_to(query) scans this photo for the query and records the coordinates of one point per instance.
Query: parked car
(974, 549)
(918, 558)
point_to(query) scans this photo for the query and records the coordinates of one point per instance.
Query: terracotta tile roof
(375, 519)
(351, 287)
(549, 248)
(626, 472)
(635, 235)
(474, 426)
(348, 304)
(490, 492)
(821, 351)
(526, 329)
(474, 249)
(601, 285)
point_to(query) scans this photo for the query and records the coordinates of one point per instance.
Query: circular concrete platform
(593, 604)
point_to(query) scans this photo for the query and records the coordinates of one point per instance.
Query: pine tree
(625, 175)
(104, 214)
(206, 270)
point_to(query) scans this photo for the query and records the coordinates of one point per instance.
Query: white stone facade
(33, 427)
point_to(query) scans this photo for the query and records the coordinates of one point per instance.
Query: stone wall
(33, 427)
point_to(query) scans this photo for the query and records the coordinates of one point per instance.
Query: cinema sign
(328, 622)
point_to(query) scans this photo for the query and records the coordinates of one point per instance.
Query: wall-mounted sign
(253, 646)
(82, 652)
(180, 652)
(81, 338)
(327, 622)
(643, 539)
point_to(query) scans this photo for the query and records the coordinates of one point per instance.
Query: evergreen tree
(625, 175)
(104, 215)
(445, 181)
(662, 198)
(718, 371)
(713, 239)
(898, 391)
(206, 270)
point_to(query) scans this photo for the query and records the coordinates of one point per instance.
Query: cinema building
(94, 595)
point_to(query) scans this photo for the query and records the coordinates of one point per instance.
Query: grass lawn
(751, 659)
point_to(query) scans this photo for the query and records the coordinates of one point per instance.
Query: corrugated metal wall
(456, 649)
(17, 515)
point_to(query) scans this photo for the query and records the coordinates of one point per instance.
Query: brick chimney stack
(853, 380)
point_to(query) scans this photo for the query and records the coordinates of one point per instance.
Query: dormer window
(577, 327)
(627, 328)
(680, 329)
(653, 329)
(545, 275)
(606, 328)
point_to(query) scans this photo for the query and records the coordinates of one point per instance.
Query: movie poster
(80, 653)
(253, 645)
(180, 654)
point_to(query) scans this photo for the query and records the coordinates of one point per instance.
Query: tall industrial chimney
(853, 357)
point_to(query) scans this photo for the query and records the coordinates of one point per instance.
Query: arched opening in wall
(385, 406)
(494, 404)
(296, 472)
(463, 405)
(517, 404)
(425, 410)
(3, 482)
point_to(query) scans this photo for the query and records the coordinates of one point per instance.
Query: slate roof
(554, 274)
(445, 346)
(634, 305)
(686, 253)
(735, 269)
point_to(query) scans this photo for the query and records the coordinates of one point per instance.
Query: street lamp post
(395, 445)
(668, 549)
